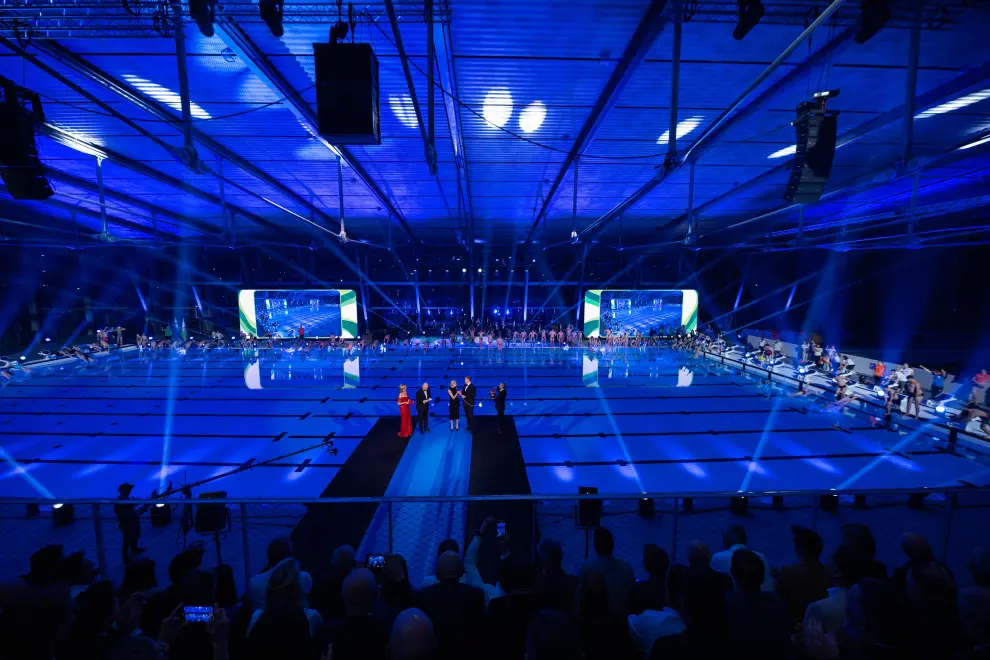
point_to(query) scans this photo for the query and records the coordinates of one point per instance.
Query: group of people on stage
(456, 397)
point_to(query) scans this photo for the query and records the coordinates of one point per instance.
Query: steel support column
(642, 39)
(526, 296)
(431, 156)
(448, 82)
(189, 156)
(580, 291)
(914, 53)
(419, 311)
(675, 79)
(105, 232)
(734, 113)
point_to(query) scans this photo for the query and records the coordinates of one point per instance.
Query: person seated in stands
(827, 616)
(457, 610)
(807, 580)
(618, 574)
(974, 605)
(160, 605)
(651, 593)
(509, 615)
(734, 540)
(860, 538)
(555, 588)
(325, 596)
(359, 633)
(759, 623)
(552, 635)
(279, 553)
(702, 607)
(935, 629)
(647, 627)
(700, 561)
(412, 637)
(604, 633)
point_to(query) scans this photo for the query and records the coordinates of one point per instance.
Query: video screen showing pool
(283, 313)
(640, 311)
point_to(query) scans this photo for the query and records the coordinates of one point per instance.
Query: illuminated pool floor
(628, 423)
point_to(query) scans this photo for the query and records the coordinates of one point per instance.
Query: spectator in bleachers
(325, 596)
(286, 593)
(700, 560)
(651, 593)
(412, 637)
(92, 634)
(45, 565)
(281, 631)
(555, 588)
(876, 621)
(604, 634)
(618, 574)
(161, 604)
(447, 545)
(806, 581)
(935, 627)
(703, 612)
(358, 634)
(974, 605)
(649, 626)
(397, 593)
(918, 551)
(279, 553)
(733, 540)
(139, 577)
(759, 623)
(552, 635)
(828, 615)
(457, 610)
(860, 538)
(509, 615)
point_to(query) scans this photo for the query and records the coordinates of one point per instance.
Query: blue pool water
(628, 422)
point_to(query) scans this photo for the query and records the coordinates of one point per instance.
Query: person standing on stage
(423, 399)
(405, 426)
(455, 406)
(129, 522)
(500, 406)
(468, 395)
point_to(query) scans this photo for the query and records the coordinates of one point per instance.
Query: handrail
(498, 498)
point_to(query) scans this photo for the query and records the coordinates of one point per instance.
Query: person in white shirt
(651, 625)
(778, 348)
(285, 591)
(279, 552)
(830, 613)
(734, 539)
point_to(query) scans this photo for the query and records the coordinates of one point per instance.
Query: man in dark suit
(457, 610)
(423, 399)
(469, 394)
(129, 522)
(500, 406)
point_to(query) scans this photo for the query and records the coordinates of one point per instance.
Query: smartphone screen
(501, 529)
(375, 562)
(197, 614)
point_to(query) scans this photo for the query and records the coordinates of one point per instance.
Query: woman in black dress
(455, 405)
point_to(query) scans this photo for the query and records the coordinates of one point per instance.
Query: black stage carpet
(497, 468)
(366, 473)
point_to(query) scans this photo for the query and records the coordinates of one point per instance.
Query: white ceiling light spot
(955, 104)
(531, 118)
(786, 151)
(165, 95)
(683, 128)
(975, 143)
(403, 109)
(498, 107)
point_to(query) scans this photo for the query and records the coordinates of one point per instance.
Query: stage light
(202, 12)
(874, 15)
(271, 14)
(738, 505)
(917, 500)
(47, 339)
(940, 409)
(750, 13)
(161, 515)
(647, 508)
(63, 514)
(463, 270)
(829, 503)
(532, 116)
(497, 109)
(479, 270)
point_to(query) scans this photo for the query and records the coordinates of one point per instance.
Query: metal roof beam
(736, 112)
(970, 80)
(249, 53)
(88, 70)
(649, 28)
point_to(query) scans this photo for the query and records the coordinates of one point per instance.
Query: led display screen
(615, 311)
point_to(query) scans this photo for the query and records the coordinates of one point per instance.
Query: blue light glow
(497, 109)
(532, 116)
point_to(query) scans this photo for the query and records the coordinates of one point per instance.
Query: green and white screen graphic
(622, 311)
(287, 313)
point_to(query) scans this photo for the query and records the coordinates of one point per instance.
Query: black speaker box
(589, 511)
(347, 106)
(20, 167)
(816, 135)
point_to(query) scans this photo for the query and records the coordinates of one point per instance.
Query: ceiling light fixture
(531, 118)
(271, 13)
(750, 13)
(975, 143)
(202, 11)
(164, 95)
(497, 109)
(403, 109)
(683, 128)
(955, 104)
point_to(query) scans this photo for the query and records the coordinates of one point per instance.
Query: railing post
(390, 551)
(101, 551)
(950, 504)
(244, 544)
(673, 551)
(815, 499)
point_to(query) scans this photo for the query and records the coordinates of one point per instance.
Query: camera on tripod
(328, 445)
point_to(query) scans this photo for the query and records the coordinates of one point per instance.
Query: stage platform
(626, 422)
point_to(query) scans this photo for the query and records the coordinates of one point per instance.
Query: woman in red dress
(405, 429)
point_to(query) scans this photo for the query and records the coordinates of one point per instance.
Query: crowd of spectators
(730, 604)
